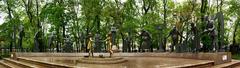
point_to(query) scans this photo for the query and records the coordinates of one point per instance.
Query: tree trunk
(165, 13)
(203, 9)
(13, 40)
(58, 41)
(234, 32)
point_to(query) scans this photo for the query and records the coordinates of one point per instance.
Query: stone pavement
(133, 62)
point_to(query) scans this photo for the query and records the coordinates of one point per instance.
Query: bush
(234, 49)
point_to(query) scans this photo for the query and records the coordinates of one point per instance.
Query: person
(109, 44)
(90, 45)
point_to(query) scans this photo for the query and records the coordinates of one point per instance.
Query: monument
(68, 44)
(98, 46)
(90, 45)
(174, 33)
(195, 37)
(38, 42)
(101, 59)
(21, 35)
(146, 41)
(82, 41)
(127, 43)
(210, 30)
(50, 41)
(109, 44)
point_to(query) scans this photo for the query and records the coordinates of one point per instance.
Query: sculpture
(195, 37)
(109, 44)
(82, 40)
(50, 40)
(21, 35)
(174, 34)
(146, 41)
(90, 45)
(97, 47)
(210, 30)
(68, 44)
(38, 45)
(127, 43)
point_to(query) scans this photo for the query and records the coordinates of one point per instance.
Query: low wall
(218, 57)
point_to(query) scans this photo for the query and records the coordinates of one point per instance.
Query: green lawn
(236, 56)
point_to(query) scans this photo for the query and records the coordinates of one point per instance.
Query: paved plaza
(133, 62)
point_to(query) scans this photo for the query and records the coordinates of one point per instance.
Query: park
(119, 34)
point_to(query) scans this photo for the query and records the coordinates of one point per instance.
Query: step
(2, 66)
(231, 64)
(43, 63)
(20, 64)
(5, 65)
(32, 63)
(198, 65)
(12, 65)
(102, 60)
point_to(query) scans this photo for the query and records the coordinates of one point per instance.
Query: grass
(236, 56)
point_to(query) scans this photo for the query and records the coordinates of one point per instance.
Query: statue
(174, 34)
(50, 40)
(37, 41)
(210, 30)
(82, 40)
(195, 37)
(98, 46)
(68, 44)
(21, 35)
(109, 44)
(90, 45)
(127, 44)
(146, 41)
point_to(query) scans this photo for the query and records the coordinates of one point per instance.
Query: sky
(2, 15)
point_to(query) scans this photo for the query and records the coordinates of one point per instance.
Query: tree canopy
(78, 18)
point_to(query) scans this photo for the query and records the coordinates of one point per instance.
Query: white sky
(2, 15)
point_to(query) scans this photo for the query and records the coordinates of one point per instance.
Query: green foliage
(84, 16)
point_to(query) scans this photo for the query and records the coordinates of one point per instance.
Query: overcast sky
(1, 17)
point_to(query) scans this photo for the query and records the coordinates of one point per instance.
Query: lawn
(236, 56)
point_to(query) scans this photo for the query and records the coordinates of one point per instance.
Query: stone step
(31, 63)
(232, 64)
(5, 65)
(102, 60)
(43, 63)
(18, 63)
(11, 65)
(2, 66)
(198, 65)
